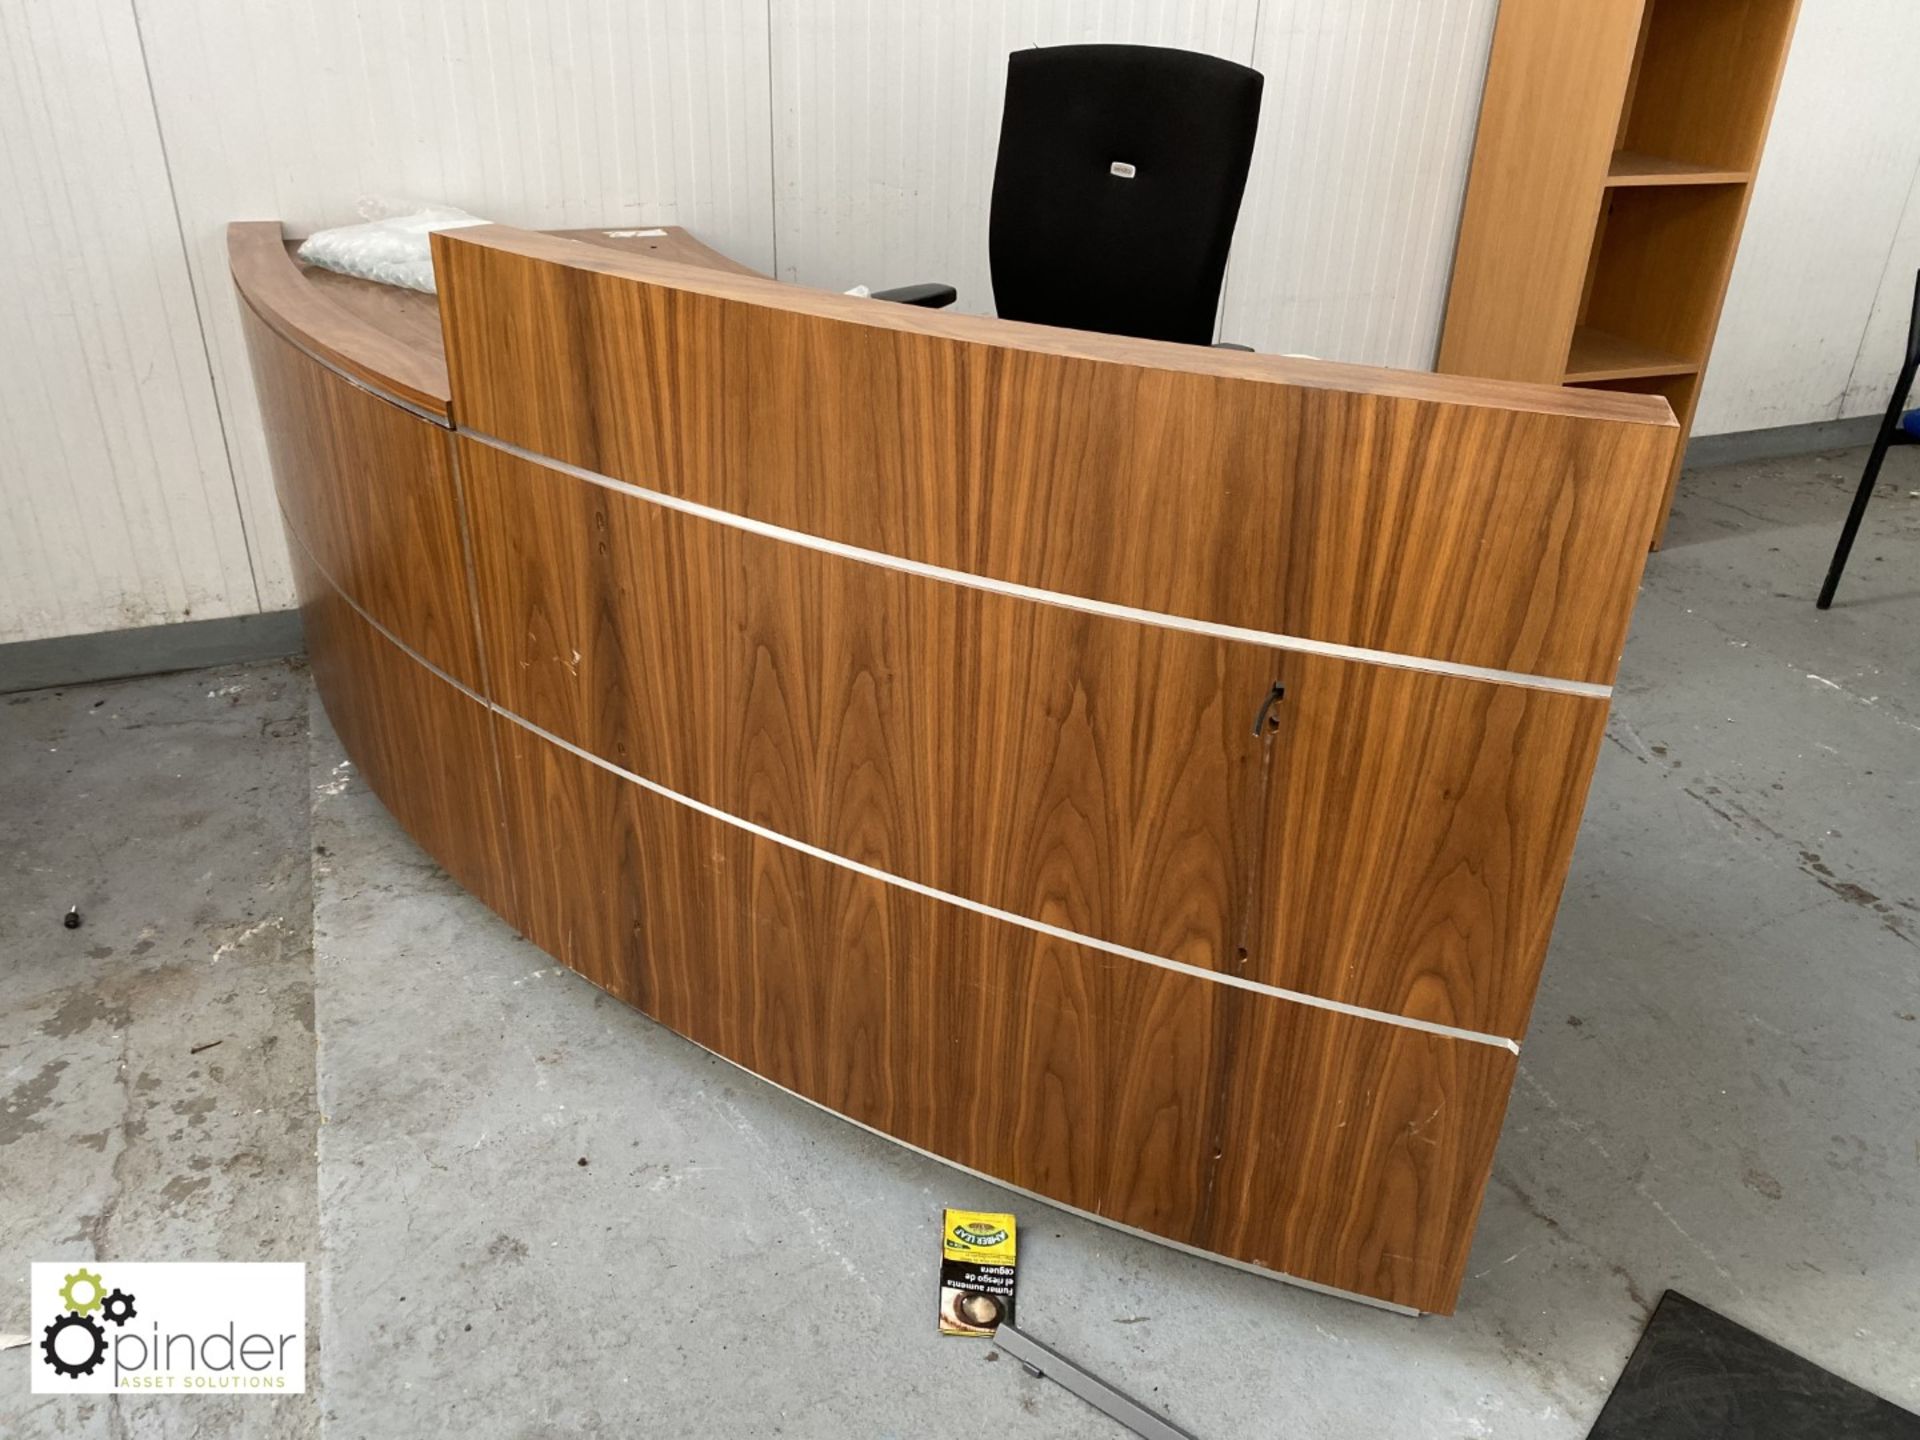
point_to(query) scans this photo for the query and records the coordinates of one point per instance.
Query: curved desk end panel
(384, 338)
(418, 741)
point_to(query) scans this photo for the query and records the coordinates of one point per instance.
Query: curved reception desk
(1141, 774)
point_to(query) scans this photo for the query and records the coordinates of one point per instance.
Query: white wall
(116, 502)
(828, 141)
(1346, 236)
(547, 115)
(1816, 316)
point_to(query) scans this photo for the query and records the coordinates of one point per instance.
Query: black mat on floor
(1696, 1375)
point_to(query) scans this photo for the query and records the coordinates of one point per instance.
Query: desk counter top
(385, 336)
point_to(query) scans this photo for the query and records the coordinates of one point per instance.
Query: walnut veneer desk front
(1141, 774)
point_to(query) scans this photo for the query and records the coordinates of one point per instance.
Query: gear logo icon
(82, 1278)
(76, 1342)
(118, 1307)
(74, 1369)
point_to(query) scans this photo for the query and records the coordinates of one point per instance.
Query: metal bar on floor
(1043, 1360)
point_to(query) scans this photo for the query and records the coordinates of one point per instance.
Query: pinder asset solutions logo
(180, 1328)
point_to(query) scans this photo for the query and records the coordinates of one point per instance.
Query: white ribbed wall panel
(1824, 231)
(886, 120)
(543, 113)
(847, 140)
(1346, 237)
(1884, 345)
(116, 504)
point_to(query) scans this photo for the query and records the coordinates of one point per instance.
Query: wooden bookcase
(1617, 146)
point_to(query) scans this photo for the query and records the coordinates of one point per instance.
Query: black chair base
(1868, 479)
(1890, 434)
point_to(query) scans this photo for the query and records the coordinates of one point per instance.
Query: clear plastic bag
(393, 251)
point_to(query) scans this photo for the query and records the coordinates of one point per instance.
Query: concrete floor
(1718, 1093)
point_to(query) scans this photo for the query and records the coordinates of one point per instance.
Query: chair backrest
(1120, 174)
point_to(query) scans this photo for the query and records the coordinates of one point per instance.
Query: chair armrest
(932, 297)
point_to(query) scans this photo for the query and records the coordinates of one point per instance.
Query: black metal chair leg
(1889, 434)
(1868, 479)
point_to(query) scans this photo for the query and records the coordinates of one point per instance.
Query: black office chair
(1892, 432)
(1119, 178)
